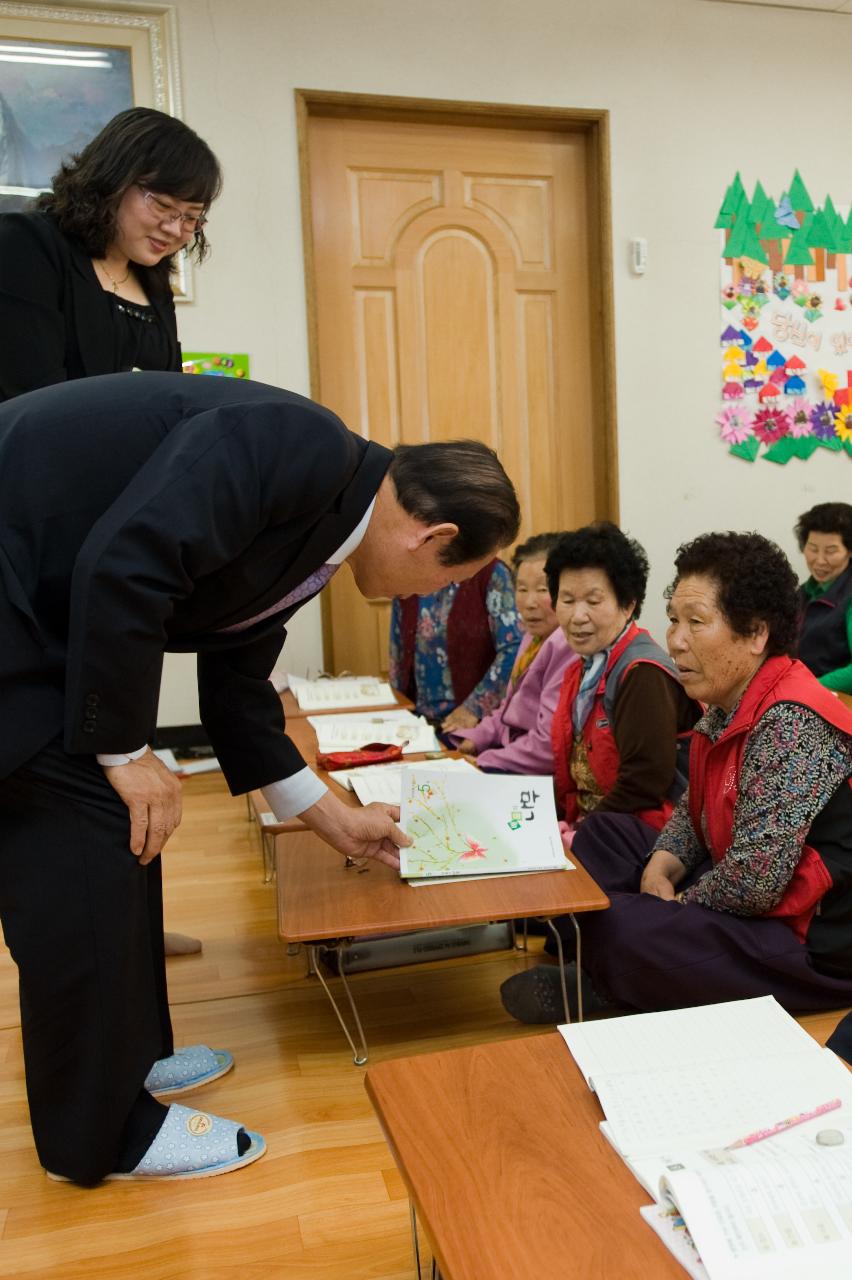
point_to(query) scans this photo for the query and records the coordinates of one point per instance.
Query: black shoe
(535, 996)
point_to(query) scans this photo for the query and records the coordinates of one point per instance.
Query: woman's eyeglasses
(166, 213)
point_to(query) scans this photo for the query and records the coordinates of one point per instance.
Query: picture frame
(67, 70)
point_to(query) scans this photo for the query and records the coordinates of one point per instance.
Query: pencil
(783, 1125)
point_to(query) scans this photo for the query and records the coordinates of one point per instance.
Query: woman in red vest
(748, 887)
(621, 709)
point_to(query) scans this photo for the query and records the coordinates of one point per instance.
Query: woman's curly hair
(602, 546)
(754, 582)
(137, 147)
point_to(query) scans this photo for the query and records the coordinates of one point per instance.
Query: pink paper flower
(799, 413)
(474, 850)
(735, 424)
(800, 288)
(770, 425)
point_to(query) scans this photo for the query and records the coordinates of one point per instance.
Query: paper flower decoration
(771, 424)
(843, 424)
(735, 424)
(781, 285)
(822, 420)
(799, 413)
(729, 296)
(750, 322)
(800, 289)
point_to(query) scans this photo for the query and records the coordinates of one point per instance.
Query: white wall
(695, 90)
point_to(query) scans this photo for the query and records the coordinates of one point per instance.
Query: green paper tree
(799, 198)
(760, 204)
(798, 254)
(730, 204)
(769, 228)
(820, 234)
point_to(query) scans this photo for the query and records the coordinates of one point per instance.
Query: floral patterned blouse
(435, 695)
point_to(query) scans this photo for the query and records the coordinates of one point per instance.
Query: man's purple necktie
(309, 587)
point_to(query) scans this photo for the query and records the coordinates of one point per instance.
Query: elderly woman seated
(747, 890)
(621, 708)
(825, 642)
(516, 737)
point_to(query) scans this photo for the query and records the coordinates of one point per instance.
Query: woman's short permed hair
(754, 582)
(538, 547)
(826, 517)
(602, 546)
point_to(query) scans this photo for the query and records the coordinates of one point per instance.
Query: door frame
(591, 122)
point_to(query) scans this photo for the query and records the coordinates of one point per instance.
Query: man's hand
(370, 832)
(153, 797)
(460, 718)
(662, 873)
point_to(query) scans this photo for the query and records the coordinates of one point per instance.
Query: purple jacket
(516, 737)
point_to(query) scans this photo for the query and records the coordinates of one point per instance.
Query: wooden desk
(320, 897)
(506, 1169)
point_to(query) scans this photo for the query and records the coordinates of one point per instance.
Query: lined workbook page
(351, 732)
(342, 691)
(686, 1037)
(384, 782)
(713, 1104)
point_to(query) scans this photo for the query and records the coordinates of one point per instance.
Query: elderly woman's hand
(661, 875)
(460, 718)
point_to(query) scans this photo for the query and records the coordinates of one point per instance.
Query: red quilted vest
(714, 774)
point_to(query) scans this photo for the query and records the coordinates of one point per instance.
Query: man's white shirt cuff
(295, 794)
(109, 761)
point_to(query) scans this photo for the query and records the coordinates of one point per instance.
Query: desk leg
(268, 846)
(434, 1272)
(359, 1056)
(560, 954)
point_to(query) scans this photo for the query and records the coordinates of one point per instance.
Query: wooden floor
(326, 1202)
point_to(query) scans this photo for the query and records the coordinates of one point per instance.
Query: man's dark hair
(140, 146)
(754, 583)
(460, 482)
(826, 517)
(602, 546)
(540, 544)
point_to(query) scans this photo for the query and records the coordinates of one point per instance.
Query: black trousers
(84, 923)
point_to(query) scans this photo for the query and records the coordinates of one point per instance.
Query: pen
(783, 1125)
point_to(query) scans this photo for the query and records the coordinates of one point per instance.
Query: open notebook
(679, 1087)
(478, 824)
(341, 691)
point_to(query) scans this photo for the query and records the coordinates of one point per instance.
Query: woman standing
(85, 277)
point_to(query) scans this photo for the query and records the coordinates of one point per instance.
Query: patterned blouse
(792, 765)
(435, 695)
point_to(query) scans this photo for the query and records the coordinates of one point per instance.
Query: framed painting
(66, 71)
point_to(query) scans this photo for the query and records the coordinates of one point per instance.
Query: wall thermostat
(639, 255)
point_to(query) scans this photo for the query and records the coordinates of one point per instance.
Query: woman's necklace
(115, 283)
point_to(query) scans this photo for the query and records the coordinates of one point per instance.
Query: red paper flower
(770, 425)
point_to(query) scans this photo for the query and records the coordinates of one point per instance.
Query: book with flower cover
(484, 824)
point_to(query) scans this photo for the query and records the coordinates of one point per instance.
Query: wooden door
(455, 296)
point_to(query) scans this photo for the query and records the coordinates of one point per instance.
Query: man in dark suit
(141, 513)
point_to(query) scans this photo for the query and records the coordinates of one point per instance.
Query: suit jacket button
(92, 699)
(88, 726)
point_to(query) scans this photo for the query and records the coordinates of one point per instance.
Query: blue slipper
(187, 1069)
(191, 1144)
